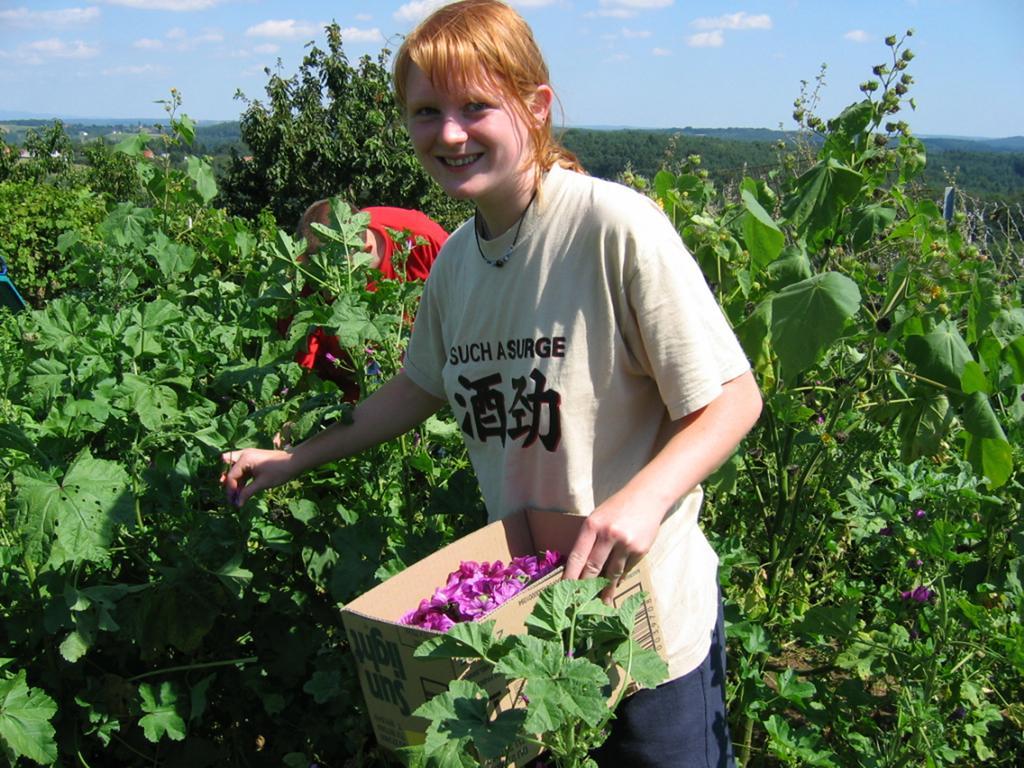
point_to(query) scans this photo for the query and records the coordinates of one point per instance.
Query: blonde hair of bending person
(458, 40)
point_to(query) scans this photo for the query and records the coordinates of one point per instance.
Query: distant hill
(986, 167)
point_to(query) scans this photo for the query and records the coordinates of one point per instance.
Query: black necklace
(499, 263)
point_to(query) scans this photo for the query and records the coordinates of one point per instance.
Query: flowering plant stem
(573, 643)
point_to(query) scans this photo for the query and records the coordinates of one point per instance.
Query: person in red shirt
(323, 354)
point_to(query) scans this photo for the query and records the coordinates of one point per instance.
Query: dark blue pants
(680, 724)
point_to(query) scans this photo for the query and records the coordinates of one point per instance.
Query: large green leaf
(25, 715)
(940, 355)
(559, 688)
(869, 222)
(468, 639)
(986, 445)
(72, 519)
(173, 259)
(924, 423)
(461, 713)
(156, 405)
(792, 266)
(809, 316)
(201, 173)
(820, 194)
(762, 235)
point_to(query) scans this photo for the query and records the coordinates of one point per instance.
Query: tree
(331, 128)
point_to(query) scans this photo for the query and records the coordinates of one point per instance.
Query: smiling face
(475, 144)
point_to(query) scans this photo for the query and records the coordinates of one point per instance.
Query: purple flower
(920, 514)
(919, 594)
(915, 562)
(886, 531)
(373, 369)
(475, 589)
(331, 358)
(959, 713)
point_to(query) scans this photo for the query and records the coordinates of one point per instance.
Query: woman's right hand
(254, 469)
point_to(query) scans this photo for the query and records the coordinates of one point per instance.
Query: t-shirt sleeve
(673, 325)
(425, 356)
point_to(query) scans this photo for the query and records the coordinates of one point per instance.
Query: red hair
(483, 42)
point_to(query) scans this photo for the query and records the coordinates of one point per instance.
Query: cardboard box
(395, 683)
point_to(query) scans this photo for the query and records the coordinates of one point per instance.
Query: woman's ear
(540, 104)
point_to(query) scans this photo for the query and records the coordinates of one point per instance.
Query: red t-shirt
(420, 226)
(321, 347)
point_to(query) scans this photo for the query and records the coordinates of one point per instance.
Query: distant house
(25, 154)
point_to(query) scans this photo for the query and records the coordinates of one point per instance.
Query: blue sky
(644, 63)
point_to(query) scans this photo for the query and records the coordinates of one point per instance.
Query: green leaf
(201, 173)
(133, 145)
(986, 446)
(940, 355)
(155, 405)
(73, 519)
(837, 621)
(469, 639)
(792, 266)
(187, 128)
(551, 614)
(820, 194)
(809, 316)
(792, 689)
(973, 379)
(924, 423)
(761, 234)
(351, 323)
(198, 699)
(1013, 356)
(173, 259)
(559, 688)
(233, 576)
(12, 438)
(162, 717)
(646, 667)
(869, 222)
(25, 715)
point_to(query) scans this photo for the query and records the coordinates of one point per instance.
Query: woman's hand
(254, 469)
(622, 529)
(613, 539)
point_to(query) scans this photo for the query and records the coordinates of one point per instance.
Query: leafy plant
(576, 663)
(332, 128)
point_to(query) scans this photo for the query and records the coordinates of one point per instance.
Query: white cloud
(148, 44)
(133, 69)
(167, 5)
(740, 20)
(265, 48)
(284, 29)
(183, 41)
(356, 35)
(713, 39)
(611, 13)
(858, 36)
(23, 17)
(661, 52)
(418, 10)
(634, 34)
(644, 4)
(55, 48)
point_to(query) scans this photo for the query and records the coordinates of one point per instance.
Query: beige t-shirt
(564, 366)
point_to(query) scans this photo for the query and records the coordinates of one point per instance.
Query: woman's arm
(395, 408)
(623, 528)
